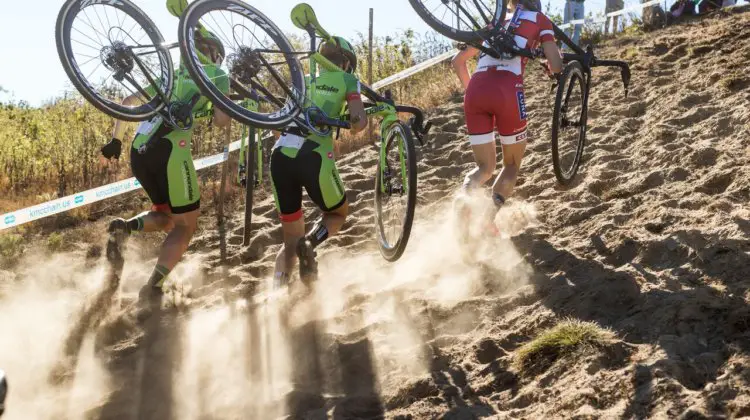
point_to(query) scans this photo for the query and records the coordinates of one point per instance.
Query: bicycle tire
(392, 252)
(571, 76)
(469, 37)
(249, 185)
(63, 29)
(190, 20)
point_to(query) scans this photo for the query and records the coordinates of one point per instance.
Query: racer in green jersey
(161, 160)
(308, 162)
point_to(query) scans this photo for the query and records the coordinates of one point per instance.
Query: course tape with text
(83, 198)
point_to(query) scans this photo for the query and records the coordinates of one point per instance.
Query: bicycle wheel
(569, 122)
(259, 60)
(465, 21)
(395, 190)
(111, 50)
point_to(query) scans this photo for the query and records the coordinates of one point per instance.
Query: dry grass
(425, 90)
(569, 337)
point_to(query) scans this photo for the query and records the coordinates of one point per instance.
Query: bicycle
(276, 74)
(93, 33)
(479, 24)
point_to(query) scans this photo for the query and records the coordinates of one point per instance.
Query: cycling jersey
(529, 30)
(298, 162)
(495, 98)
(165, 169)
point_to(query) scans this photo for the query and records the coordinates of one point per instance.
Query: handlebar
(318, 118)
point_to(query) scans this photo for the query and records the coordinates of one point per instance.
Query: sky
(30, 69)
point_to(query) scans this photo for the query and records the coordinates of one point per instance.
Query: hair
(332, 52)
(527, 4)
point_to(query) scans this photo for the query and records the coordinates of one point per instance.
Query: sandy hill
(650, 242)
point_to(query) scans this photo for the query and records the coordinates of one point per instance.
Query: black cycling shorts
(312, 167)
(167, 174)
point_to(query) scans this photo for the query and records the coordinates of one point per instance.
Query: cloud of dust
(37, 306)
(438, 271)
(231, 352)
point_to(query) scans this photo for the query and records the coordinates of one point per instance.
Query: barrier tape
(403, 74)
(83, 198)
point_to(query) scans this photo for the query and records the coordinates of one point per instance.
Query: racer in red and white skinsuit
(495, 100)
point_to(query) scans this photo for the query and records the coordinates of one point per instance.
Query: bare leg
(178, 239)
(486, 158)
(329, 225)
(287, 256)
(506, 181)
(156, 221)
(333, 220)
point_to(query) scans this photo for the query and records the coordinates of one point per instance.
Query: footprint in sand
(694, 99)
(717, 183)
(704, 157)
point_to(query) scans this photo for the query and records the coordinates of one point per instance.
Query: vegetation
(569, 337)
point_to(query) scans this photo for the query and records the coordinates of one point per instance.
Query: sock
(498, 199)
(280, 279)
(158, 276)
(318, 234)
(136, 223)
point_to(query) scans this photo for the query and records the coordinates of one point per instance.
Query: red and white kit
(495, 97)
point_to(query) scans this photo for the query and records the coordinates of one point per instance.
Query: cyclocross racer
(298, 162)
(161, 160)
(494, 100)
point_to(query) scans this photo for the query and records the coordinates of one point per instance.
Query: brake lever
(420, 132)
(625, 73)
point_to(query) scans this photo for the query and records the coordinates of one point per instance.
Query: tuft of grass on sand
(569, 337)
(734, 82)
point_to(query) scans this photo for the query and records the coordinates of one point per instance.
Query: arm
(119, 131)
(459, 64)
(549, 46)
(221, 119)
(552, 53)
(111, 150)
(357, 115)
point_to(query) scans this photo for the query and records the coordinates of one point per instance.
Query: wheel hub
(244, 65)
(118, 59)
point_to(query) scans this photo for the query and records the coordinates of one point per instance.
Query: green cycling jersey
(330, 92)
(183, 89)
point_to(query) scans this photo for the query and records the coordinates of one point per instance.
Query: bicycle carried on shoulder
(480, 23)
(111, 50)
(261, 59)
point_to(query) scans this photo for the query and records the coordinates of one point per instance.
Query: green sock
(136, 223)
(158, 276)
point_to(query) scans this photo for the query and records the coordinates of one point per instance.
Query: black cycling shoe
(308, 267)
(118, 234)
(149, 300)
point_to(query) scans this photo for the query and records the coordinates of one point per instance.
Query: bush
(11, 248)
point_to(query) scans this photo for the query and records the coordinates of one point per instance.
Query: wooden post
(369, 72)
(220, 211)
(249, 183)
(369, 53)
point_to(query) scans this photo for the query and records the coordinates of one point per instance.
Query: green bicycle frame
(250, 133)
(390, 116)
